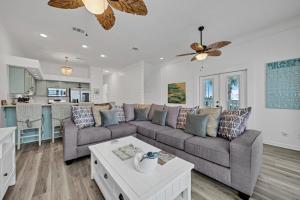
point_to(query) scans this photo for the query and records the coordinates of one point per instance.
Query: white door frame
(222, 98)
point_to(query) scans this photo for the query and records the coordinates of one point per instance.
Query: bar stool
(60, 112)
(29, 116)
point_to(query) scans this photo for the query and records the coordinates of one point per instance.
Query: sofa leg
(244, 196)
(69, 162)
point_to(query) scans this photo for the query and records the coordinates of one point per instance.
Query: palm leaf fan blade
(214, 53)
(137, 7)
(107, 19)
(218, 45)
(66, 4)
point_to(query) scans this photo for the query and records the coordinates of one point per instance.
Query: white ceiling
(168, 29)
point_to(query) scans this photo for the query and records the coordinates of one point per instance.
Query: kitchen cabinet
(29, 85)
(20, 81)
(16, 80)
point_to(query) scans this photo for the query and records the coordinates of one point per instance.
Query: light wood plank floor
(42, 174)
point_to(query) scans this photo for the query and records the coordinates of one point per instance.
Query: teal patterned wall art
(283, 84)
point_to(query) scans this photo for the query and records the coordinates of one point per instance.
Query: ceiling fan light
(201, 56)
(96, 7)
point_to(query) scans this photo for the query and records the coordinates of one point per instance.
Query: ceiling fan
(102, 9)
(202, 51)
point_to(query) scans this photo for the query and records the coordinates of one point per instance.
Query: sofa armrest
(245, 160)
(70, 132)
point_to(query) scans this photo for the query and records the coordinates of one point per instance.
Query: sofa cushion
(129, 111)
(174, 137)
(122, 130)
(213, 149)
(147, 106)
(172, 115)
(148, 129)
(92, 135)
(153, 108)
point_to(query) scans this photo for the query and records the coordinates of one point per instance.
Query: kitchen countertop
(44, 105)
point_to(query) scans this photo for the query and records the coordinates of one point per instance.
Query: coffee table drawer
(100, 171)
(108, 181)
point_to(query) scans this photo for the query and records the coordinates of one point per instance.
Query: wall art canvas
(283, 84)
(177, 93)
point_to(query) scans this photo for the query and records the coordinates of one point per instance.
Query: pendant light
(65, 69)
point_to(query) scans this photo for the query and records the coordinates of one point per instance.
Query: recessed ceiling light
(106, 71)
(43, 35)
(135, 48)
(84, 46)
(161, 58)
(103, 56)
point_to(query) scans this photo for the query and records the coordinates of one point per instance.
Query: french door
(228, 90)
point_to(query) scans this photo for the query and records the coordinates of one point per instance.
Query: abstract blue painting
(283, 84)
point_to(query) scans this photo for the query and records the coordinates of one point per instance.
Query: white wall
(126, 85)
(274, 44)
(7, 47)
(96, 76)
(152, 84)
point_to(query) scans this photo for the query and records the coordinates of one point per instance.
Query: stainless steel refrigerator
(79, 95)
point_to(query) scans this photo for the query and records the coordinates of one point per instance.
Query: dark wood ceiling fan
(102, 9)
(202, 51)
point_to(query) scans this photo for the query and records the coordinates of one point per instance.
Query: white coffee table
(118, 179)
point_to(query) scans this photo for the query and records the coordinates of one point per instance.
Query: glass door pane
(208, 93)
(233, 92)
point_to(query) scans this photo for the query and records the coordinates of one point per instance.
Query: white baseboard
(286, 146)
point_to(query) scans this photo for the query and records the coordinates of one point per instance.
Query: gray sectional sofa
(235, 163)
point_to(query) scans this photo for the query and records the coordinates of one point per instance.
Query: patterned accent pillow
(83, 116)
(232, 122)
(120, 113)
(181, 119)
(244, 125)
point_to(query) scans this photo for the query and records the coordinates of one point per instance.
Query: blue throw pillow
(109, 117)
(196, 124)
(159, 117)
(140, 114)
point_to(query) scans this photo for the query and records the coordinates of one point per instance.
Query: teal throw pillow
(196, 124)
(140, 114)
(159, 117)
(109, 117)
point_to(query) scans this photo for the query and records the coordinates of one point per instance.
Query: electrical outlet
(284, 133)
